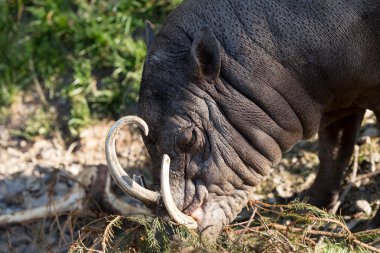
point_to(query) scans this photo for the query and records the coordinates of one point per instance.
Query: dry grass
(296, 227)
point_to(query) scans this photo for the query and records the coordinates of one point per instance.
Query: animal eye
(187, 139)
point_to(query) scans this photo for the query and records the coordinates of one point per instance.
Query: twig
(314, 232)
(296, 230)
(328, 220)
(335, 208)
(67, 203)
(304, 236)
(287, 241)
(77, 200)
(368, 175)
(368, 232)
(10, 246)
(108, 232)
(373, 164)
(311, 241)
(365, 245)
(375, 242)
(69, 152)
(248, 224)
(346, 235)
(60, 230)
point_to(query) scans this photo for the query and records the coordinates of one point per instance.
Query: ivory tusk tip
(173, 211)
(166, 159)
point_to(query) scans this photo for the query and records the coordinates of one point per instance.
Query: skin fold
(228, 86)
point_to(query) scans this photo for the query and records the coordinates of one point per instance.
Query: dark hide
(229, 85)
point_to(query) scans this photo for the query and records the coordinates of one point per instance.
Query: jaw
(211, 220)
(217, 212)
(212, 210)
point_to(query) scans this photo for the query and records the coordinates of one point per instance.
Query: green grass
(87, 55)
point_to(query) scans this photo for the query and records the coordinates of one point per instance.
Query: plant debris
(35, 172)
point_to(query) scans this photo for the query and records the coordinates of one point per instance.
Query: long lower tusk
(121, 177)
(173, 211)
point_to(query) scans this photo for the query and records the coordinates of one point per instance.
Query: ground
(34, 171)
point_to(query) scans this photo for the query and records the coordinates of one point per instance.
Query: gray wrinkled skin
(229, 85)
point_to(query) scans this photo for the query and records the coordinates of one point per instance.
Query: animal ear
(149, 34)
(205, 54)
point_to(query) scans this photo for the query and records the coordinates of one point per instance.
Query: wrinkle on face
(250, 121)
(233, 160)
(207, 182)
(199, 198)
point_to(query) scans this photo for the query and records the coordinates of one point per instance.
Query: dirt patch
(34, 172)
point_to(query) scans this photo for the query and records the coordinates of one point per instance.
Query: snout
(211, 219)
(205, 215)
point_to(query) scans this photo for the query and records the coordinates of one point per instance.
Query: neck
(267, 108)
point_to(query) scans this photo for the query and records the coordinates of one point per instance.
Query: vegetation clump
(83, 58)
(296, 227)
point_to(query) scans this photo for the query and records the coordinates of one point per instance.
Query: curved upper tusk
(117, 172)
(173, 211)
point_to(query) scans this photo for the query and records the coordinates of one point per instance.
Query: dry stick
(352, 181)
(286, 240)
(304, 236)
(10, 246)
(317, 232)
(71, 227)
(240, 223)
(61, 233)
(310, 231)
(368, 232)
(365, 245)
(67, 203)
(313, 232)
(311, 241)
(108, 232)
(375, 242)
(373, 165)
(271, 233)
(69, 151)
(368, 175)
(75, 200)
(248, 224)
(321, 233)
(328, 220)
